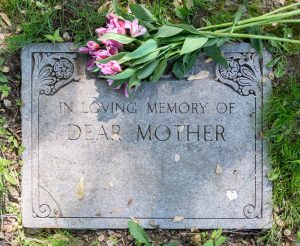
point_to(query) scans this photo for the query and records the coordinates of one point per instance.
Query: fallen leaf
(197, 239)
(177, 157)
(278, 220)
(178, 218)
(80, 189)
(103, 9)
(271, 76)
(5, 69)
(287, 232)
(198, 76)
(279, 2)
(58, 7)
(101, 238)
(66, 36)
(5, 18)
(219, 169)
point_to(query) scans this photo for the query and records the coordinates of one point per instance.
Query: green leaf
(146, 58)
(138, 233)
(168, 31)
(141, 13)
(115, 7)
(117, 37)
(256, 43)
(192, 43)
(221, 240)
(10, 179)
(238, 15)
(114, 57)
(50, 37)
(1, 61)
(209, 243)
(187, 28)
(215, 53)
(4, 162)
(189, 61)
(3, 78)
(57, 37)
(216, 41)
(178, 69)
(133, 81)
(123, 75)
(216, 233)
(146, 48)
(116, 83)
(161, 67)
(175, 243)
(147, 70)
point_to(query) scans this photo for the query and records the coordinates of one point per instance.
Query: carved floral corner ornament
(54, 71)
(243, 73)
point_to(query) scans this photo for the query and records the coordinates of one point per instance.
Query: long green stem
(254, 19)
(282, 9)
(259, 23)
(242, 35)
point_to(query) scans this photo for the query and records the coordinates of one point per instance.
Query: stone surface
(188, 149)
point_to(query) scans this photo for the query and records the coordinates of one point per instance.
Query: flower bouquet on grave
(136, 47)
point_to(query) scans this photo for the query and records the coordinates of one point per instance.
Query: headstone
(177, 154)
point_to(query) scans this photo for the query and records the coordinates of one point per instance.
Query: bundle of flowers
(135, 47)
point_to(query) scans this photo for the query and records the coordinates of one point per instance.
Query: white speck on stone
(177, 157)
(180, 128)
(178, 218)
(110, 184)
(232, 195)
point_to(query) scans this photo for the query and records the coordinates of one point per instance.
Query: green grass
(32, 20)
(283, 135)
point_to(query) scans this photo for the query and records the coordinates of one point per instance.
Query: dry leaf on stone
(5, 18)
(198, 76)
(219, 169)
(178, 218)
(197, 239)
(177, 157)
(80, 189)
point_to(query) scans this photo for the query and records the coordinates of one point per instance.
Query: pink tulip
(134, 28)
(100, 31)
(110, 68)
(92, 45)
(115, 24)
(100, 54)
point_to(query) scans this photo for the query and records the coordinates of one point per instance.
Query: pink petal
(84, 50)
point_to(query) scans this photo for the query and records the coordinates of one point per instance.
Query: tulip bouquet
(135, 47)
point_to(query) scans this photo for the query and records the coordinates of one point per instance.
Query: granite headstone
(177, 154)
